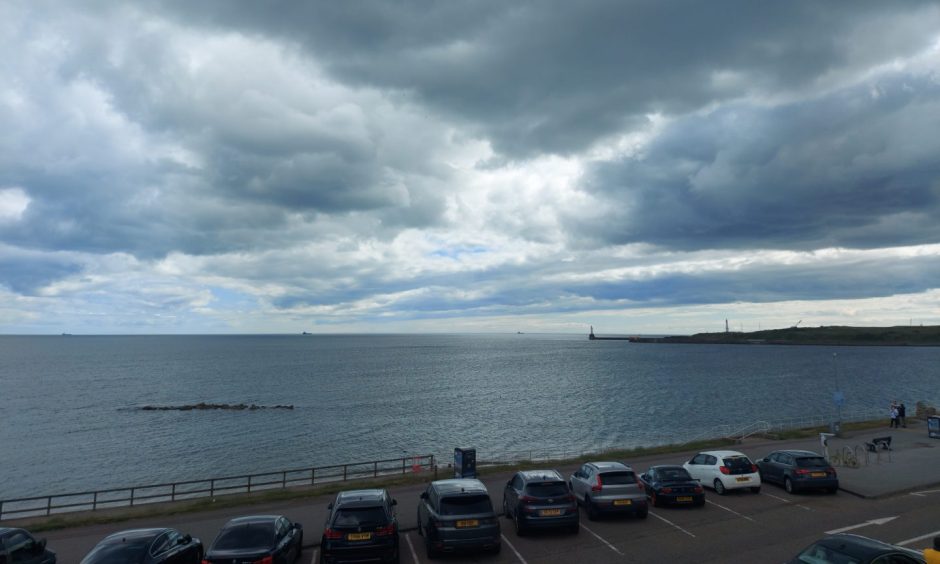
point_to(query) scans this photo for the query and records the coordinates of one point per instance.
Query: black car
(798, 470)
(457, 514)
(19, 546)
(672, 484)
(361, 526)
(146, 546)
(540, 499)
(856, 549)
(258, 539)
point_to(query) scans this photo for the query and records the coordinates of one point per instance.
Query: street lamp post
(837, 397)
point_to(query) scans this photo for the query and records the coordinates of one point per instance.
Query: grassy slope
(898, 335)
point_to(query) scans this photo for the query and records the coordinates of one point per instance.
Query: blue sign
(838, 398)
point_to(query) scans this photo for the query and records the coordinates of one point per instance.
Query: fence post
(403, 466)
(49, 505)
(173, 492)
(1, 510)
(284, 479)
(375, 469)
(313, 476)
(94, 502)
(132, 497)
(249, 483)
(212, 488)
(344, 472)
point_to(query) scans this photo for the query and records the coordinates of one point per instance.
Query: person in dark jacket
(902, 411)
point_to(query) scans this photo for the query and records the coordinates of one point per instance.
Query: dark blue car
(673, 485)
(797, 470)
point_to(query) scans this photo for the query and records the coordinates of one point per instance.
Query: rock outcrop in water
(202, 406)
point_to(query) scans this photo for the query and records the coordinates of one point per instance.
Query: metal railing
(46, 505)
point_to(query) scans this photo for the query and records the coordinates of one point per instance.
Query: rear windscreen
(120, 553)
(812, 462)
(620, 478)
(256, 535)
(547, 489)
(738, 463)
(466, 505)
(360, 517)
(674, 475)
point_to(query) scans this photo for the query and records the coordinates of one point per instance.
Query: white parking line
(729, 510)
(313, 559)
(800, 505)
(924, 493)
(600, 538)
(412, 547)
(917, 539)
(519, 556)
(671, 523)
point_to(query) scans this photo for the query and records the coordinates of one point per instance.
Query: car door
(22, 548)
(770, 467)
(283, 537)
(695, 466)
(424, 507)
(649, 480)
(709, 469)
(512, 492)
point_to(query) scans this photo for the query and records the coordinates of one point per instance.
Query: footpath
(912, 465)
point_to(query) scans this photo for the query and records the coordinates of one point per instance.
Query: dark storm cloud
(556, 76)
(26, 274)
(856, 168)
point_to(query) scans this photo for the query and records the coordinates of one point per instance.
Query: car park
(361, 526)
(724, 470)
(264, 539)
(146, 546)
(609, 487)
(540, 499)
(856, 549)
(456, 515)
(19, 546)
(797, 470)
(670, 484)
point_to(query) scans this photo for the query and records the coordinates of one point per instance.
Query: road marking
(519, 556)
(924, 493)
(881, 521)
(730, 510)
(671, 523)
(412, 547)
(314, 558)
(610, 546)
(917, 539)
(800, 505)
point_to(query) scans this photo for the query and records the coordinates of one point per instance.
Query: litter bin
(933, 426)
(835, 427)
(465, 463)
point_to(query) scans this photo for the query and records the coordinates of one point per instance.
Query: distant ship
(305, 333)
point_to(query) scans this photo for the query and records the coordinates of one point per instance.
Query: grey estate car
(609, 487)
(456, 515)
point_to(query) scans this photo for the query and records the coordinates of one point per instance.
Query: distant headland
(901, 335)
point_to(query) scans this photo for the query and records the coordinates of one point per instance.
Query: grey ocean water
(67, 421)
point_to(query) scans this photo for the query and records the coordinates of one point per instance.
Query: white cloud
(13, 204)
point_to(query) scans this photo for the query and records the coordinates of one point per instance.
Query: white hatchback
(724, 470)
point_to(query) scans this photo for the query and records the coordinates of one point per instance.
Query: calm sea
(68, 420)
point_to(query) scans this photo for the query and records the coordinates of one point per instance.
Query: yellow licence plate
(358, 536)
(684, 498)
(466, 523)
(622, 502)
(550, 512)
(818, 474)
(742, 479)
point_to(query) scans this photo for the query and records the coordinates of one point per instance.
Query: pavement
(902, 484)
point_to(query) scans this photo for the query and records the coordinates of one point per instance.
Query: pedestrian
(894, 416)
(902, 415)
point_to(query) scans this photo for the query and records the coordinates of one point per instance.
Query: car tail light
(265, 560)
(801, 471)
(698, 489)
(527, 499)
(724, 470)
(640, 486)
(570, 498)
(204, 561)
(753, 468)
(385, 531)
(667, 490)
(831, 471)
(332, 534)
(597, 487)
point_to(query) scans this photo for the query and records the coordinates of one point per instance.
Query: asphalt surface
(892, 496)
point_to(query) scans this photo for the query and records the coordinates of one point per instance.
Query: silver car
(608, 487)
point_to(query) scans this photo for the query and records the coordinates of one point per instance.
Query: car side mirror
(330, 506)
(185, 539)
(394, 502)
(424, 495)
(644, 476)
(298, 526)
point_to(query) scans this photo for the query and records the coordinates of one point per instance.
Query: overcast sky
(639, 166)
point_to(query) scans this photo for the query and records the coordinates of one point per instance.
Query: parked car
(608, 487)
(457, 514)
(540, 499)
(361, 526)
(724, 470)
(146, 546)
(266, 539)
(18, 545)
(844, 548)
(672, 484)
(798, 470)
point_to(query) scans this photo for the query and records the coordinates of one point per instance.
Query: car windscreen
(355, 517)
(674, 475)
(466, 505)
(819, 554)
(619, 478)
(740, 463)
(547, 489)
(119, 552)
(255, 535)
(812, 462)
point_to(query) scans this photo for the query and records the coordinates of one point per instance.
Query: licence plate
(622, 502)
(818, 474)
(742, 479)
(682, 498)
(466, 523)
(358, 536)
(550, 512)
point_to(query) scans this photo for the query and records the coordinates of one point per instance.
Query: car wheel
(520, 528)
(756, 489)
(300, 547)
(788, 485)
(506, 509)
(432, 553)
(591, 510)
(420, 533)
(396, 559)
(498, 548)
(719, 487)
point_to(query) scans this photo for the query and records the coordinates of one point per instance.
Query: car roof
(860, 546)
(360, 498)
(459, 486)
(723, 453)
(133, 535)
(535, 475)
(605, 466)
(799, 453)
(667, 467)
(252, 520)
(4, 530)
